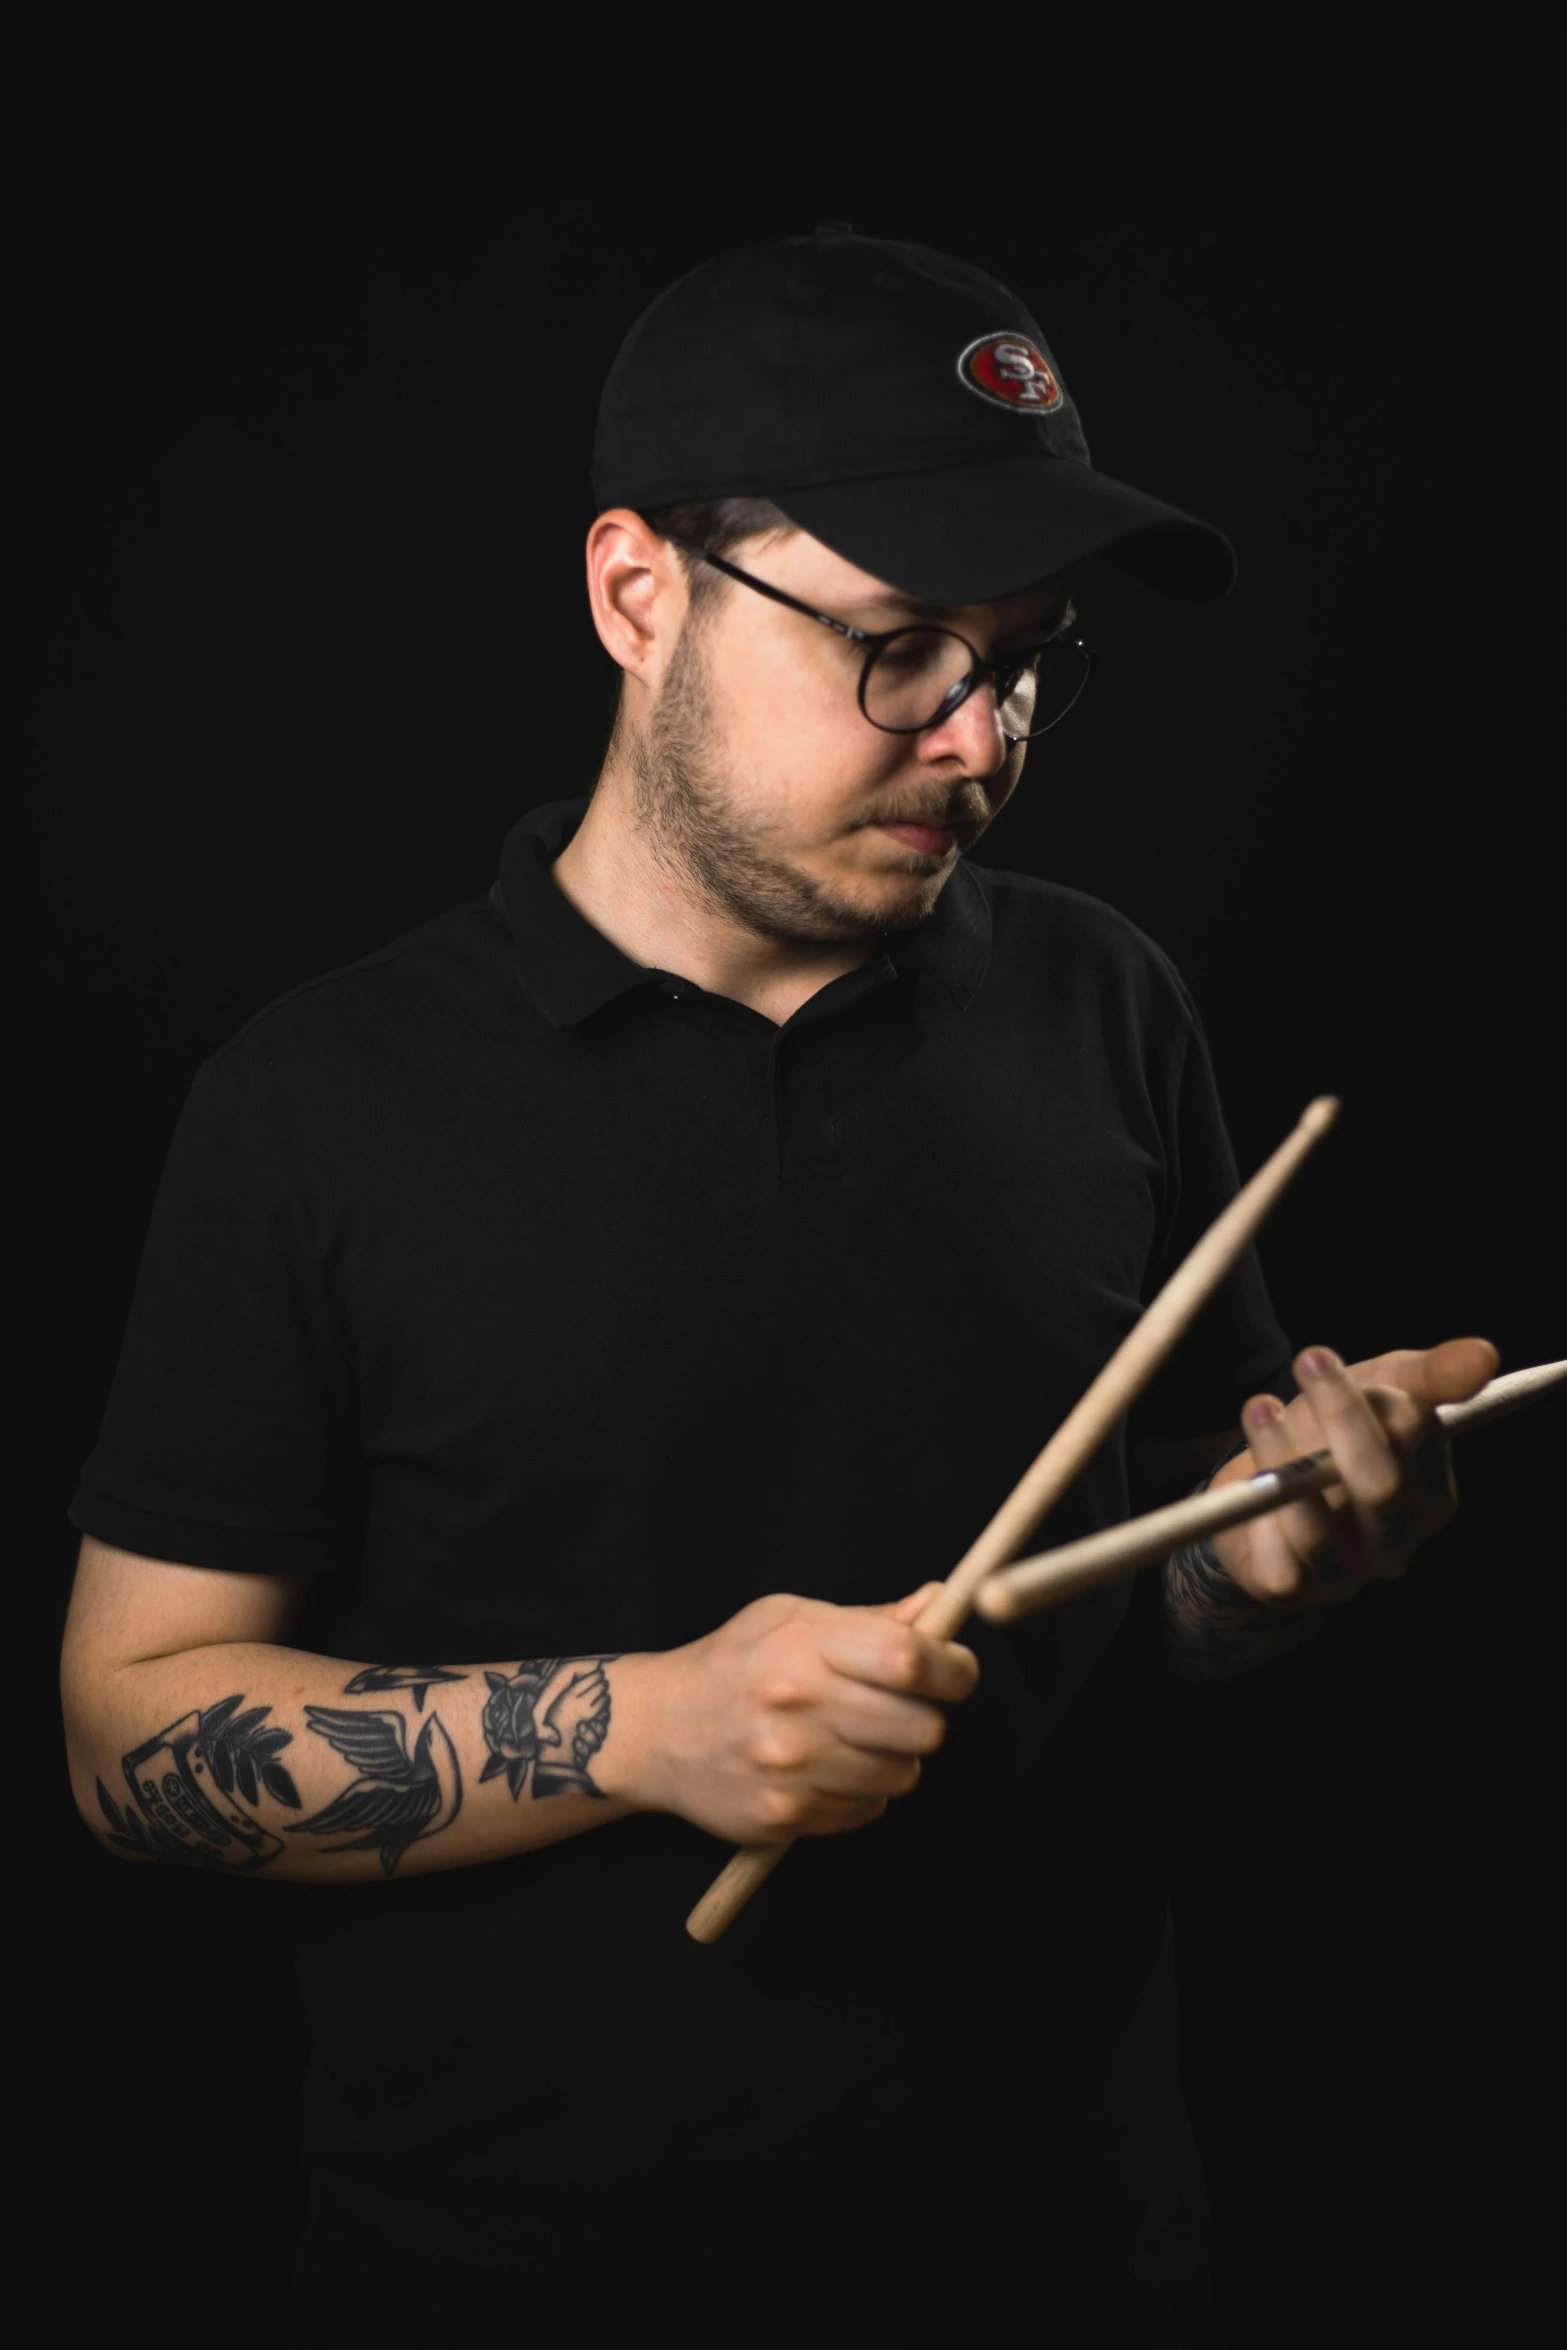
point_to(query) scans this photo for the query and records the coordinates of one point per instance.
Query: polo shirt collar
(571, 970)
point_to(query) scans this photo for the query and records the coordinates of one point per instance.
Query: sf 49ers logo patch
(1013, 372)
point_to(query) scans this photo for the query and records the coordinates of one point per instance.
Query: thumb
(904, 1611)
(1457, 1369)
(1449, 1373)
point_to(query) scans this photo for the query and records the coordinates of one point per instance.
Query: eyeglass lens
(914, 673)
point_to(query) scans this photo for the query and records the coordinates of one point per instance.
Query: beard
(715, 850)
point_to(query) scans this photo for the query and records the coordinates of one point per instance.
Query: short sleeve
(1237, 1344)
(229, 1438)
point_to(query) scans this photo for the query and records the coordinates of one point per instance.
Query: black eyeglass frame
(1000, 674)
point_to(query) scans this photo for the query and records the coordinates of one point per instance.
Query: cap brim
(969, 534)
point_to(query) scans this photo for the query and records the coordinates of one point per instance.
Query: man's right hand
(795, 1718)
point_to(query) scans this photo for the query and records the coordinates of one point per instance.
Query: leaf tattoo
(191, 1783)
(125, 1828)
(242, 1753)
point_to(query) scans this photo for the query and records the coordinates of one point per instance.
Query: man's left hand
(1378, 1420)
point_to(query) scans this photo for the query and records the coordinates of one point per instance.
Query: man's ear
(637, 593)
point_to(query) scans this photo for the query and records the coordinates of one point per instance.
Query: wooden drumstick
(1078, 1438)
(1056, 1575)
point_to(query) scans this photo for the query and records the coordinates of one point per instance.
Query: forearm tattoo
(186, 1785)
(396, 1797)
(558, 1741)
(194, 1789)
(1212, 1630)
(383, 1677)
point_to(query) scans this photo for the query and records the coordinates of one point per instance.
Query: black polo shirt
(533, 1301)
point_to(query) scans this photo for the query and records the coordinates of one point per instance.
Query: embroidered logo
(1013, 372)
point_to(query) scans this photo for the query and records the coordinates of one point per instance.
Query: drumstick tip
(1319, 1115)
(995, 1602)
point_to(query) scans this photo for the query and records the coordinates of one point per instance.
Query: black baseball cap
(899, 405)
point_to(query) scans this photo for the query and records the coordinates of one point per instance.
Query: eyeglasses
(914, 677)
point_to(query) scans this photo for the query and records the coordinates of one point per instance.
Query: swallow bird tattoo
(396, 1799)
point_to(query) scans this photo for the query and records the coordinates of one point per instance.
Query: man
(571, 1340)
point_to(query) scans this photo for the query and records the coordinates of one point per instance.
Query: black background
(313, 310)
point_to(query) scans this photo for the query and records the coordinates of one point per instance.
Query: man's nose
(970, 733)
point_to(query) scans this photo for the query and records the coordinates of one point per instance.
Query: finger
(1370, 1467)
(833, 1815)
(1424, 1447)
(865, 1646)
(1449, 1373)
(860, 1774)
(1403, 1418)
(1457, 1369)
(1292, 1553)
(1413, 1428)
(881, 1723)
(904, 1611)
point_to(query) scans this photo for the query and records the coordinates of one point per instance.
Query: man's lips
(927, 837)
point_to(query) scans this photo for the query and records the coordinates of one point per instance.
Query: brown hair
(720, 524)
